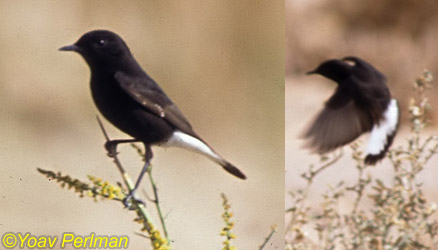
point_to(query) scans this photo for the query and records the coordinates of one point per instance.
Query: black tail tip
(373, 159)
(234, 171)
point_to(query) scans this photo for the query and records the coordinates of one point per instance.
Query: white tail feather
(381, 132)
(182, 140)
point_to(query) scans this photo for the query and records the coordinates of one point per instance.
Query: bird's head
(336, 70)
(100, 47)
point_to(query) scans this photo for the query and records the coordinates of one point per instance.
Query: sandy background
(222, 62)
(399, 37)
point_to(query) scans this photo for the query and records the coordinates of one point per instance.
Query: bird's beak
(72, 47)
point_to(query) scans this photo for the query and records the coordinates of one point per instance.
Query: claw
(128, 201)
(111, 148)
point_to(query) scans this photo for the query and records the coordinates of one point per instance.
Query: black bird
(361, 103)
(133, 102)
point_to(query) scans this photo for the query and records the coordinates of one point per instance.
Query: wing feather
(152, 98)
(335, 127)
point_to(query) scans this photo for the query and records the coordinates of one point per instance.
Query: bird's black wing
(144, 91)
(339, 123)
(372, 94)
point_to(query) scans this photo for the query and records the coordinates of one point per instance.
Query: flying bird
(361, 103)
(133, 102)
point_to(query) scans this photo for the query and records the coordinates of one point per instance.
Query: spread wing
(152, 98)
(339, 123)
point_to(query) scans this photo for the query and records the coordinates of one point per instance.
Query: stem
(127, 180)
(157, 205)
(274, 230)
(313, 173)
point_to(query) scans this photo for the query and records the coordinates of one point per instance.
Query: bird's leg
(131, 195)
(111, 145)
(148, 157)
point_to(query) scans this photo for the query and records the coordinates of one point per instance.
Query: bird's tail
(196, 144)
(233, 170)
(383, 134)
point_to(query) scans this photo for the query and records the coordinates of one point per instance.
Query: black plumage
(133, 102)
(361, 103)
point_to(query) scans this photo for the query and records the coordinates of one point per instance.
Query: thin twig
(313, 173)
(157, 204)
(156, 199)
(127, 180)
(273, 230)
(432, 151)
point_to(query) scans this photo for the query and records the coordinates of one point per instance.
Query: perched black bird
(361, 103)
(132, 101)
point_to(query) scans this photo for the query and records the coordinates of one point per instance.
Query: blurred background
(222, 63)
(400, 38)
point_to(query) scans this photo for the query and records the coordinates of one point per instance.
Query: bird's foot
(111, 148)
(131, 201)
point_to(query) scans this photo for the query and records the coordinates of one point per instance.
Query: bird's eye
(101, 43)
